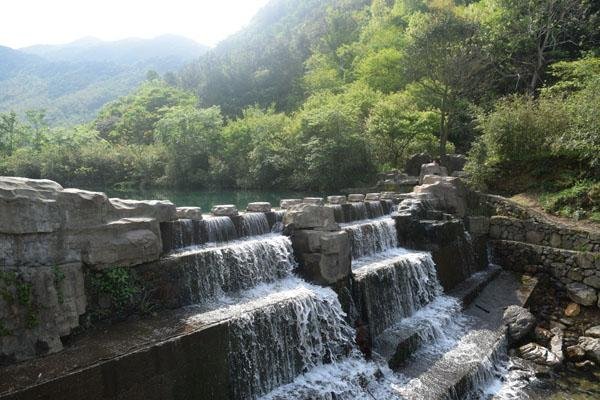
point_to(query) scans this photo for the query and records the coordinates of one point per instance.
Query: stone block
(287, 203)
(261, 206)
(431, 169)
(161, 210)
(224, 210)
(582, 294)
(310, 216)
(356, 198)
(82, 209)
(336, 199)
(372, 196)
(313, 200)
(445, 193)
(194, 213)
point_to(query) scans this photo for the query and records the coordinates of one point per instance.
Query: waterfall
(275, 343)
(374, 209)
(220, 229)
(388, 206)
(181, 233)
(395, 288)
(278, 225)
(255, 223)
(210, 272)
(359, 211)
(372, 237)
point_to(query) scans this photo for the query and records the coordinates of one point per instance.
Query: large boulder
(446, 193)
(313, 200)
(356, 198)
(310, 216)
(336, 199)
(259, 206)
(288, 203)
(325, 257)
(224, 210)
(538, 354)
(194, 213)
(591, 346)
(453, 162)
(432, 169)
(82, 209)
(414, 163)
(581, 294)
(160, 210)
(520, 322)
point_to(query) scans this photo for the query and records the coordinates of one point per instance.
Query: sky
(27, 22)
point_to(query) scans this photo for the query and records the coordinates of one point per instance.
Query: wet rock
(594, 331)
(431, 169)
(194, 213)
(224, 210)
(336, 199)
(287, 203)
(356, 198)
(581, 294)
(414, 163)
(575, 353)
(591, 346)
(318, 201)
(520, 322)
(585, 365)
(542, 335)
(259, 206)
(538, 354)
(556, 344)
(572, 310)
(310, 216)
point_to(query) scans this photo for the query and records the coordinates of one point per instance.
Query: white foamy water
(371, 236)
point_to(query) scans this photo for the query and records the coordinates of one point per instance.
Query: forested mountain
(71, 82)
(323, 94)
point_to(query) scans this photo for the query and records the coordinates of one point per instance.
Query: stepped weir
(310, 301)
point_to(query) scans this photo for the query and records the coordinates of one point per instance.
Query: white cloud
(27, 22)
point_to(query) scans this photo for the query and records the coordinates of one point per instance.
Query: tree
(444, 57)
(9, 131)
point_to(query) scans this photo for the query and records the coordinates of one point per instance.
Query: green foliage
(580, 200)
(18, 292)
(118, 284)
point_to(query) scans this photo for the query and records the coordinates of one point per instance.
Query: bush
(582, 199)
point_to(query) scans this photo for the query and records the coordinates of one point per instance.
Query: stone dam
(365, 296)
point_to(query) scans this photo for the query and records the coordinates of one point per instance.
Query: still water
(202, 198)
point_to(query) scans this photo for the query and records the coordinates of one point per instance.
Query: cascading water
(359, 211)
(396, 287)
(374, 209)
(372, 237)
(255, 223)
(220, 229)
(211, 271)
(278, 225)
(274, 344)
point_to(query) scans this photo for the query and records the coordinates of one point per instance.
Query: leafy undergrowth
(580, 201)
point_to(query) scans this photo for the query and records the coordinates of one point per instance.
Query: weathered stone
(194, 213)
(161, 210)
(585, 365)
(313, 200)
(372, 196)
(83, 209)
(572, 310)
(593, 281)
(555, 240)
(478, 226)
(336, 199)
(330, 259)
(128, 241)
(261, 206)
(310, 216)
(538, 354)
(453, 162)
(594, 331)
(431, 169)
(287, 203)
(591, 346)
(534, 237)
(542, 335)
(414, 163)
(446, 193)
(556, 344)
(29, 205)
(356, 198)
(575, 274)
(581, 294)
(520, 322)
(575, 353)
(224, 210)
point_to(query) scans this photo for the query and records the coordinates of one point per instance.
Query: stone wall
(539, 233)
(577, 270)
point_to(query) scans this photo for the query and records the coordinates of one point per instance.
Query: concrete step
(398, 343)
(465, 364)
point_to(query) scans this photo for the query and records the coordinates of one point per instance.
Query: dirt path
(531, 202)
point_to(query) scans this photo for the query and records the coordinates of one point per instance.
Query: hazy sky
(27, 22)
